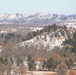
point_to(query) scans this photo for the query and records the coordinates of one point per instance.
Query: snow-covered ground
(35, 28)
(40, 73)
(37, 19)
(47, 40)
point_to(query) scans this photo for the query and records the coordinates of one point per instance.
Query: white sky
(35, 6)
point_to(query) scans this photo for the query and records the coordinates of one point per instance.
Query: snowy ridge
(47, 40)
(37, 19)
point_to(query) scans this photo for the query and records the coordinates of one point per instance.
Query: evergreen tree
(51, 64)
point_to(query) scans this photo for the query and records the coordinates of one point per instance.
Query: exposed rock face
(49, 39)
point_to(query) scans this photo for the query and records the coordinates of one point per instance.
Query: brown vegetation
(72, 72)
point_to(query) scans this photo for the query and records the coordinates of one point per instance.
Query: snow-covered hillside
(48, 40)
(38, 19)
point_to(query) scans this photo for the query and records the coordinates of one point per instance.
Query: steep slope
(49, 38)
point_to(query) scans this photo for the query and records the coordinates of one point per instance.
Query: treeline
(47, 29)
(72, 43)
(10, 38)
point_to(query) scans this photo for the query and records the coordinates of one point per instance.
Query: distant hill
(38, 19)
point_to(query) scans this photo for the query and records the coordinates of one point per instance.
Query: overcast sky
(38, 6)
